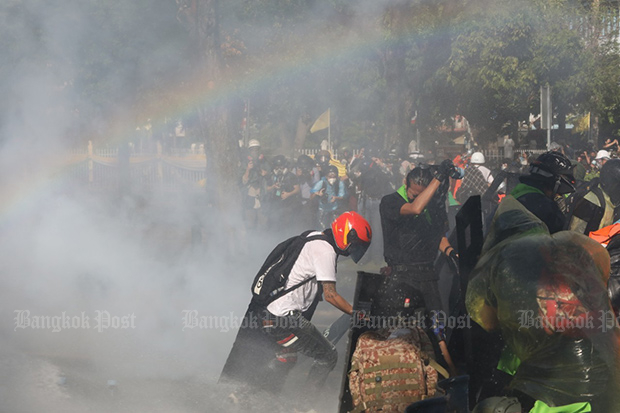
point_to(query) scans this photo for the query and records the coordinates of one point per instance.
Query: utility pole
(546, 112)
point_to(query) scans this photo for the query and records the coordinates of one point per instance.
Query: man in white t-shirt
(287, 319)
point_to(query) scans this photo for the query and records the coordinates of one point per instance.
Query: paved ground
(55, 379)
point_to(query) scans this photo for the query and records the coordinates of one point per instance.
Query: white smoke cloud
(72, 255)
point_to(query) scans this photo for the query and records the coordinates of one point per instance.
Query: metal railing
(101, 168)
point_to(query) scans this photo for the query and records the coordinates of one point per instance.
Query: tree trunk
(594, 131)
(303, 126)
(285, 140)
(201, 20)
(396, 124)
(561, 135)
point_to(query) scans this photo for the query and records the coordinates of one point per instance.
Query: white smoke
(96, 288)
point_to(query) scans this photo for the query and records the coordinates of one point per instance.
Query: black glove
(444, 171)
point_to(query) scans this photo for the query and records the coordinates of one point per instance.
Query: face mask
(331, 181)
(523, 161)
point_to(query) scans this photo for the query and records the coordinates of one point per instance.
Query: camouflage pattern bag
(391, 371)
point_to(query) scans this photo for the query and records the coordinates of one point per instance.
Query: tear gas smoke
(106, 302)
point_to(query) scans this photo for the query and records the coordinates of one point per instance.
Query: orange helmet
(352, 234)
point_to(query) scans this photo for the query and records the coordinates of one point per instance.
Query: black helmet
(366, 164)
(323, 156)
(330, 169)
(392, 155)
(279, 161)
(345, 152)
(610, 179)
(372, 152)
(305, 162)
(555, 169)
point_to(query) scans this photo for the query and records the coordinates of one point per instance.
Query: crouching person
(287, 319)
(286, 292)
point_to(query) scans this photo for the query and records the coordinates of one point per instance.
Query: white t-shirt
(317, 258)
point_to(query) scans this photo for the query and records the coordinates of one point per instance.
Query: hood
(512, 221)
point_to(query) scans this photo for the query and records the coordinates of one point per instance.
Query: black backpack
(581, 189)
(270, 282)
(583, 209)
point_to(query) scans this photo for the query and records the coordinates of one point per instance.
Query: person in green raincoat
(547, 295)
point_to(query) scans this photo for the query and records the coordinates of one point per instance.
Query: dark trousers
(295, 334)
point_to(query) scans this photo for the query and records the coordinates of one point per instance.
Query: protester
(550, 176)
(414, 225)
(547, 295)
(476, 180)
(287, 319)
(283, 187)
(330, 191)
(307, 176)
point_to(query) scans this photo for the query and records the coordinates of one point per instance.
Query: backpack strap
(306, 239)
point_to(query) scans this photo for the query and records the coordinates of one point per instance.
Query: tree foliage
(374, 63)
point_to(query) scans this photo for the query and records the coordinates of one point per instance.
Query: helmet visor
(567, 185)
(357, 250)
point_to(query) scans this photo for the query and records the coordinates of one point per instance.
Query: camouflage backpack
(389, 372)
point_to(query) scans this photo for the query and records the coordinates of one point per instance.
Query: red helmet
(352, 234)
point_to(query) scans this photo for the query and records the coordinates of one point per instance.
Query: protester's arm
(441, 174)
(331, 296)
(295, 191)
(317, 190)
(246, 176)
(421, 201)
(445, 247)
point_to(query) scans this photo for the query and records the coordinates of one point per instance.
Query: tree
(502, 52)
(417, 46)
(490, 68)
(202, 19)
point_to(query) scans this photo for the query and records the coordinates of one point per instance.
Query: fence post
(90, 162)
(160, 168)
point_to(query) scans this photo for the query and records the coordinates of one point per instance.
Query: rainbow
(201, 91)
